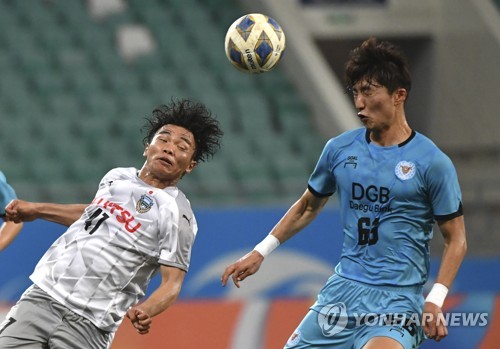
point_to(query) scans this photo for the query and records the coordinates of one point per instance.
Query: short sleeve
(7, 193)
(444, 189)
(178, 238)
(322, 182)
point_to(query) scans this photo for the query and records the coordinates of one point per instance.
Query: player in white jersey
(393, 185)
(138, 224)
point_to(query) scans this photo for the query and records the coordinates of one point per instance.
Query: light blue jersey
(389, 200)
(6, 193)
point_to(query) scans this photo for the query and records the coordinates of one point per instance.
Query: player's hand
(140, 320)
(248, 265)
(433, 322)
(18, 211)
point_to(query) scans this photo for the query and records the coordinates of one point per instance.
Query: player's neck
(394, 135)
(148, 178)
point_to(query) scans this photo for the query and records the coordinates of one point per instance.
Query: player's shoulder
(122, 173)
(179, 197)
(347, 138)
(429, 155)
(174, 200)
(427, 147)
(423, 140)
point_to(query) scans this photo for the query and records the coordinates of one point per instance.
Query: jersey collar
(412, 135)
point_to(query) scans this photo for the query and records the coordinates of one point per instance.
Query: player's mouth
(166, 161)
(362, 117)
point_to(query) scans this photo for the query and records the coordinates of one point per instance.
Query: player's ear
(400, 96)
(145, 150)
(191, 166)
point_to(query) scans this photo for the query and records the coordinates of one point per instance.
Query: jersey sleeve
(179, 236)
(322, 182)
(7, 194)
(444, 189)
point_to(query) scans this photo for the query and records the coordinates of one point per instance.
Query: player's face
(170, 154)
(377, 108)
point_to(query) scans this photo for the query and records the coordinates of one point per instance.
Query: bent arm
(24, 211)
(302, 212)
(160, 300)
(8, 232)
(295, 219)
(166, 294)
(455, 247)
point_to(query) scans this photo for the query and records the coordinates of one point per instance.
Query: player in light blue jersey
(8, 230)
(393, 185)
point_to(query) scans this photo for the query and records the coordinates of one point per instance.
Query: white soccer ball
(255, 43)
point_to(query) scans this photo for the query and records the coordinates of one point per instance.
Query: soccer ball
(255, 43)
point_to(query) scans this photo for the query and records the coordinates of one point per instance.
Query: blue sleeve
(322, 182)
(7, 194)
(444, 189)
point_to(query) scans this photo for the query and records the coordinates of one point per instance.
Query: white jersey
(103, 263)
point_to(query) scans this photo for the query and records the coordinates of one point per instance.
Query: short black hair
(194, 117)
(382, 62)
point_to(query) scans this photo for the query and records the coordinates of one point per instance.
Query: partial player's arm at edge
(8, 232)
(302, 212)
(24, 211)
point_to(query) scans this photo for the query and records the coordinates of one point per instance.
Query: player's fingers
(242, 275)
(227, 273)
(430, 329)
(236, 279)
(141, 314)
(442, 332)
(131, 314)
(143, 331)
(145, 321)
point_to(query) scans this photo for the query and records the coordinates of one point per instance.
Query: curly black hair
(193, 116)
(382, 62)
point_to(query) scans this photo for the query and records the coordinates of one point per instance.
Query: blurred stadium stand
(74, 93)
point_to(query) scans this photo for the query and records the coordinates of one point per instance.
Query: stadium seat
(100, 104)
(161, 82)
(254, 114)
(216, 181)
(84, 82)
(48, 83)
(254, 176)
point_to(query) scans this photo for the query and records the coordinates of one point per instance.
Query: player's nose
(168, 148)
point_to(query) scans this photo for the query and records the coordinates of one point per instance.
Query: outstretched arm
(163, 297)
(297, 218)
(18, 211)
(8, 232)
(455, 248)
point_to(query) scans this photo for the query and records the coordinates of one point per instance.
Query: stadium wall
(265, 311)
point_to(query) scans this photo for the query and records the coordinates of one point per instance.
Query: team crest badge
(405, 170)
(144, 204)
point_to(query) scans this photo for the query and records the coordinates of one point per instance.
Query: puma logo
(186, 217)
